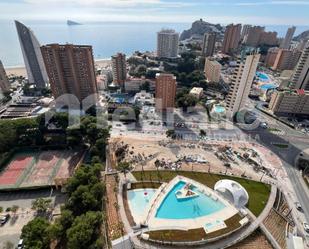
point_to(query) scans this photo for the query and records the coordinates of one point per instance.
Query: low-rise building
(134, 84)
(290, 103)
(197, 92)
(212, 70)
(143, 98)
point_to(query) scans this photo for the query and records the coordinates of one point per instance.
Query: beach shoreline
(21, 69)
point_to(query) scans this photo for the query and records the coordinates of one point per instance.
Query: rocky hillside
(200, 27)
(302, 36)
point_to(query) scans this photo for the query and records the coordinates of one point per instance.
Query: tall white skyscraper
(33, 59)
(167, 43)
(242, 79)
(288, 38)
(300, 79)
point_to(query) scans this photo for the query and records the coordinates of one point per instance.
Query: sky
(264, 12)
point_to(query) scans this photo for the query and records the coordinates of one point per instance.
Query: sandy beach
(21, 70)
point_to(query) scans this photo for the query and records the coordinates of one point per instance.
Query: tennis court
(35, 169)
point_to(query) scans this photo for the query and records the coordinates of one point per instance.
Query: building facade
(245, 30)
(271, 56)
(290, 103)
(4, 82)
(208, 46)
(119, 69)
(286, 59)
(268, 39)
(167, 43)
(231, 39)
(197, 92)
(32, 55)
(165, 92)
(300, 79)
(212, 70)
(252, 38)
(241, 82)
(70, 70)
(285, 44)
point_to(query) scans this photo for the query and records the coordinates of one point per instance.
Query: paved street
(12, 229)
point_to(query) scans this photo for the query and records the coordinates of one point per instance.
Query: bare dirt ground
(214, 157)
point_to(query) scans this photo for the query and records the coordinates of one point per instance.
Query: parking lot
(11, 230)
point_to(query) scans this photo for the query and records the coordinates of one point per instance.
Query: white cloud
(275, 2)
(112, 3)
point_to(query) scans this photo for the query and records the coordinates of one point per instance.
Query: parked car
(4, 219)
(20, 244)
(306, 227)
(264, 125)
(298, 206)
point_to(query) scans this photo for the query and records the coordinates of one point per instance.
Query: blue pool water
(219, 109)
(267, 87)
(262, 76)
(138, 201)
(173, 208)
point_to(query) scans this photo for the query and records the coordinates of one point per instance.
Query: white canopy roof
(232, 191)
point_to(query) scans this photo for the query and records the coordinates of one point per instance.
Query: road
(297, 142)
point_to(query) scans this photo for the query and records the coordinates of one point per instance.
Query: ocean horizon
(106, 38)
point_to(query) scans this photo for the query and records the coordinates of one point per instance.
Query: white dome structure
(233, 192)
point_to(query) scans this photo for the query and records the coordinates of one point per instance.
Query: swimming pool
(219, 109)
(262, 76)
(190, 208)
(138, 200)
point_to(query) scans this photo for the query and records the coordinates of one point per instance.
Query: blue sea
(106, 38)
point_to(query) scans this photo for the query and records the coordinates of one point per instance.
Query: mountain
(69, 22)
(199, 28)
(302, 36)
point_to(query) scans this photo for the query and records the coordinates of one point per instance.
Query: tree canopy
(35, 234)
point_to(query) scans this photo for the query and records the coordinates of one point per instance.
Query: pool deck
(186, 224)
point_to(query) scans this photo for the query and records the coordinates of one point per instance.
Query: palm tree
(14, 209)
(203, 133)
(124, 167)
(171, 134)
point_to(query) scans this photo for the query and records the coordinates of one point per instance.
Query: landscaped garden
(258, 192)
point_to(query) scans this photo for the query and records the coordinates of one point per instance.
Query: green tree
(202, 133)
(14, 209)
(187, 101)
(35, 234)
(124, 167)
(58, 229)
(145, 86)
(84, 231)
(171, 134)
(41, 205)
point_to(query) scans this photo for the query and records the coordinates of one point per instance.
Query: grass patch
(281, 146)
(195, 234)
(258, 192)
